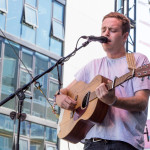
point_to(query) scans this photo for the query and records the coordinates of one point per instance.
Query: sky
(83, 17)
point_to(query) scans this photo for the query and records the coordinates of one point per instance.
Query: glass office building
(31, 41)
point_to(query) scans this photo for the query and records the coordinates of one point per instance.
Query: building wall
(31, 41)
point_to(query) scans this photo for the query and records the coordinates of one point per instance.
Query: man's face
(112, 29)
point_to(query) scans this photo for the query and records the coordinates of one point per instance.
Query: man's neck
(115, 55)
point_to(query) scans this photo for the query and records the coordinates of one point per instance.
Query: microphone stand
(20, 91)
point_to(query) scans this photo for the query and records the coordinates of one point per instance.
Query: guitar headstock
(142, 71)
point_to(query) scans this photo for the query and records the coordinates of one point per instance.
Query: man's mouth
(109, 40)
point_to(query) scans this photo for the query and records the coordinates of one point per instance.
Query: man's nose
(107, 33)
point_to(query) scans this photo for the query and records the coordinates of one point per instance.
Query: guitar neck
(115, 83)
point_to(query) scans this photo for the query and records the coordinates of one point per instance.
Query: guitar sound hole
(85, 101)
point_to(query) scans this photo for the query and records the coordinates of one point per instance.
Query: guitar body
(76, 124)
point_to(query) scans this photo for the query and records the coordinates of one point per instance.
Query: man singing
(123, 125)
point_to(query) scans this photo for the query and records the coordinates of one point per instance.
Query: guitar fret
(123, 78)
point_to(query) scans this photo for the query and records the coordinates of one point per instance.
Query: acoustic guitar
(89, 109)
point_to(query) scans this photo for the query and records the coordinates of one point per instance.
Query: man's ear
(125, 36)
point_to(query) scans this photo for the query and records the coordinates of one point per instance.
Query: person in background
(123, 125)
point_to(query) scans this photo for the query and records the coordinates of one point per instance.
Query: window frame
(25, 71)
(23, 138)
(53, 81)
(59, 22)
(63, 30)
(36, 12)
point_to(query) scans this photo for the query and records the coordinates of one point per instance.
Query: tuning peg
(142, 79)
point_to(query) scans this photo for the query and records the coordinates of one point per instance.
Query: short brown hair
(124, 19)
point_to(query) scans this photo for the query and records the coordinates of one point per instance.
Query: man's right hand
(65, 102)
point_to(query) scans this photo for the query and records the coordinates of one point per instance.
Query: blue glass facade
(35, 38)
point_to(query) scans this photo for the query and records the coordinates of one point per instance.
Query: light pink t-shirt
(119, 124)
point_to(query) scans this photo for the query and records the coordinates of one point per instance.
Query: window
(53, 88)
(6, 125)
(10, 75)
(54, 73)
(35, 145)
(27, 58)
(31, 17)
(57, 30)
(27, 105)
(3, 6)
(41, 65)
(24, 128)
(58, 20)
(10, 64)
(58, 11)
(50, 147)
(6, 132)
(23, 144)
(51, 134)
(2, 21)
(56, 46)
(6, 142)
(37, 137)
(37, 131)
(14, 17)
(25, 78)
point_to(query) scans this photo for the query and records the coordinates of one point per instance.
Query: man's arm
(138, 102)
(65, 101)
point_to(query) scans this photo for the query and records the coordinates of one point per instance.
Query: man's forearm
(138, 102)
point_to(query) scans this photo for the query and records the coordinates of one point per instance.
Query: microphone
(101, 39)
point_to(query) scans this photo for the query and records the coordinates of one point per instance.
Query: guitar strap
(131, 61)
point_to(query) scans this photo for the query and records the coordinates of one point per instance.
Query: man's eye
(113, 31)
(103, 31)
